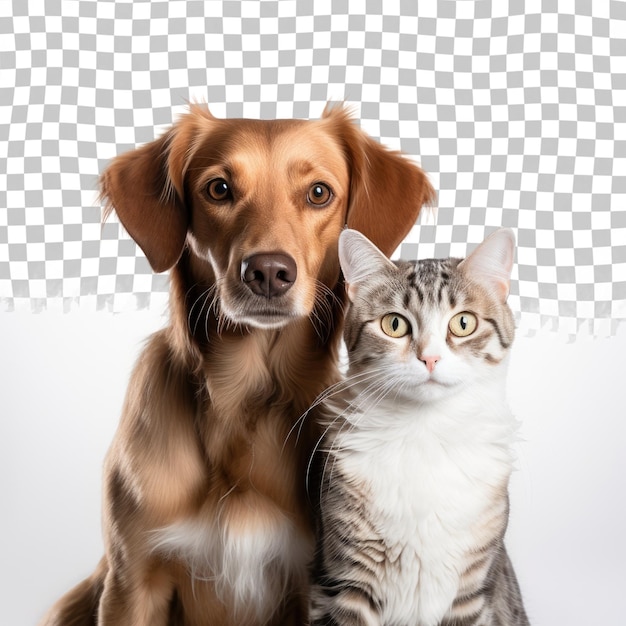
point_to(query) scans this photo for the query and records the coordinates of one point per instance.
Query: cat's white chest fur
(429, 479)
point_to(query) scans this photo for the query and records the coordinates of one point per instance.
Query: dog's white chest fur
(250, 560)
(427, 486)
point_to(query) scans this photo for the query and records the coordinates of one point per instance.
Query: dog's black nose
(269, 275)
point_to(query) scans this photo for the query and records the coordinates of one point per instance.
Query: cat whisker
(314, 452)
(369, 391)
(338, 387)
(346, 384)
(377, 391)
(369, 399)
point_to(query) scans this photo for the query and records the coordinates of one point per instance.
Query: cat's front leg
(343, 604)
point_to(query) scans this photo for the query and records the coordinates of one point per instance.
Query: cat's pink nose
(430, 362)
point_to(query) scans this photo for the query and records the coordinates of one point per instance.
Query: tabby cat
(415, 460)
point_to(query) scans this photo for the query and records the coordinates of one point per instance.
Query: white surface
(62, 382)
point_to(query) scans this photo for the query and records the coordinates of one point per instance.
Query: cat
(416, 455)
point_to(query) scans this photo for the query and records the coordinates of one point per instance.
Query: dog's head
(260, 205)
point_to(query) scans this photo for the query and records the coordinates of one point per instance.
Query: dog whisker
(205, 295)
(323, 314)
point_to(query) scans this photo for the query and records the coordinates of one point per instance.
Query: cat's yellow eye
(394, 325)
(463, 324)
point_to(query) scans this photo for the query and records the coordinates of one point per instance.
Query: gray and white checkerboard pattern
(517, 109)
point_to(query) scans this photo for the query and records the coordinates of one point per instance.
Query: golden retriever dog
(206, 519)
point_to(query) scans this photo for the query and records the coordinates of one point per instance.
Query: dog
(205, 513)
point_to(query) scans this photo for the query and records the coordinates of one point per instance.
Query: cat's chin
(432, 390)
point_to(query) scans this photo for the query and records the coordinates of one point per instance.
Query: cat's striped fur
(415, 460)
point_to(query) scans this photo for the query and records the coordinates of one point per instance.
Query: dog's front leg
(135, 599)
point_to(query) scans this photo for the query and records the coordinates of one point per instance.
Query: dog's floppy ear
(387, 190)
(145, 188)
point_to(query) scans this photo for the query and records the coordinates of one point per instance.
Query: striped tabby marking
(413, 468)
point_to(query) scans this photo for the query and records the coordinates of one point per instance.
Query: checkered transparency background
(516, 109)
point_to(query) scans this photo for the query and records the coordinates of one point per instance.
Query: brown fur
(205, 435)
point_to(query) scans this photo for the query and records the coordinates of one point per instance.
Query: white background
(62, 382)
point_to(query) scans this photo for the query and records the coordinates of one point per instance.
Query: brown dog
(205, 515)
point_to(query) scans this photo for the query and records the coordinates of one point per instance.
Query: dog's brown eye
(218, 190)
(319, 194)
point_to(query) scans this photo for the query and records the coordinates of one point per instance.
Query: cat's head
(430, 327)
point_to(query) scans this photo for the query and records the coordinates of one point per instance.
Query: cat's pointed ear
(492, 261)
(359, 258)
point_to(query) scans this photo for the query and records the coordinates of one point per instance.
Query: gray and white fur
(416, 455)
